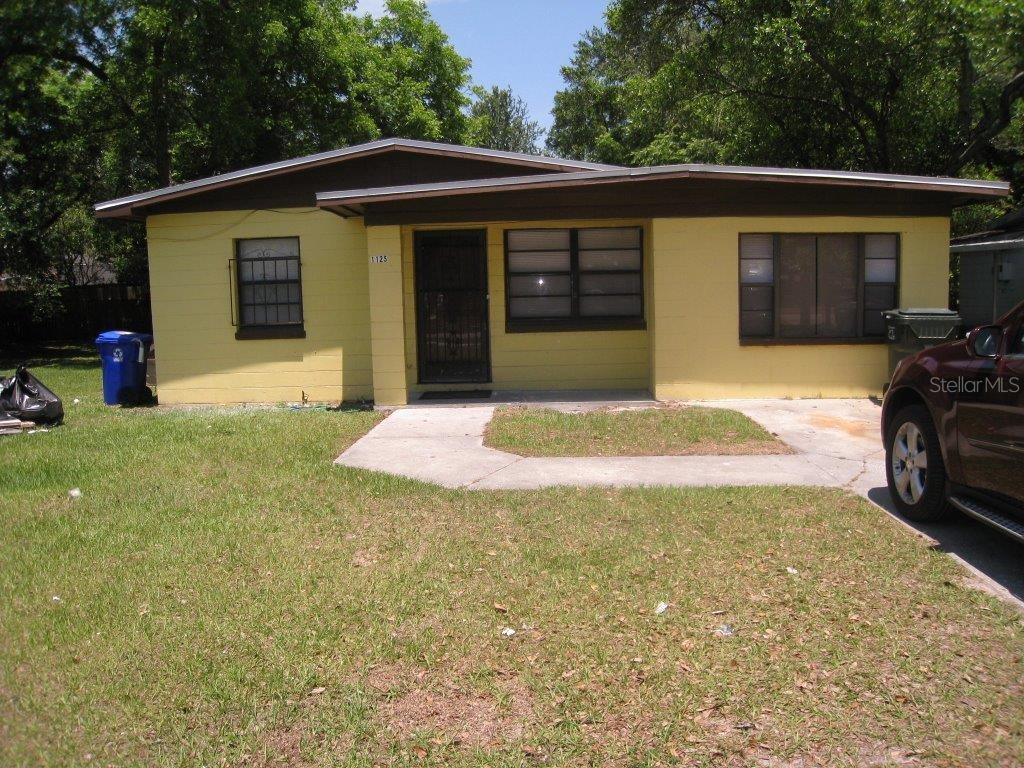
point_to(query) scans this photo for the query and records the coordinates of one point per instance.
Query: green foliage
(499, 119)
(930, 87)
(100, 98)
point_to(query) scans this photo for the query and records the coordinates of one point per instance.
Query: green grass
(665, 431)
(228, 597)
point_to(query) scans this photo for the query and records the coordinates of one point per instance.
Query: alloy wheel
(909, 462)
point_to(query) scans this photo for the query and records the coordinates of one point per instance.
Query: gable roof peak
(122, 207)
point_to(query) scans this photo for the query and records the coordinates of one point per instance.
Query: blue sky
(521, 43)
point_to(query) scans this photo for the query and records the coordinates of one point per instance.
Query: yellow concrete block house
(390, 269)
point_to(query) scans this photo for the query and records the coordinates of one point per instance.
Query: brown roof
(445, 175)
(132, 206)
(970, 190)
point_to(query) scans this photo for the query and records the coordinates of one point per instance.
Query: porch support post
(661, 262)
(387, 318)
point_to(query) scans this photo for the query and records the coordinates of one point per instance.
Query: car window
(1017, 342)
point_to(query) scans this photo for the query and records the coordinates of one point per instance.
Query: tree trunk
(160, 128)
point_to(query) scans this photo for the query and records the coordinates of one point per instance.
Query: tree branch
(965, 87)
(992, 124)
(69, 57)
(853, 103)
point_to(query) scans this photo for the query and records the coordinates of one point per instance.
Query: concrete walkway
(836, 444)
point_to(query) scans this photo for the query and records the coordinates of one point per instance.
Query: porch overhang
(674, 190)
(282, 183)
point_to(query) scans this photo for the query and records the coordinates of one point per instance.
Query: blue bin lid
(119, 337)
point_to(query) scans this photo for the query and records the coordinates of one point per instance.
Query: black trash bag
(27, 398)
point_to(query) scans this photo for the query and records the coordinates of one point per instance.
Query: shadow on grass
(984, 548)
(69, 355)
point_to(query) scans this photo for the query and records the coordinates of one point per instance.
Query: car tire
(917, 486)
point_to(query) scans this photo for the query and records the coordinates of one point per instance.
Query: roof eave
(970, 190)
(118, 207)
(124, 213)
(995, 244)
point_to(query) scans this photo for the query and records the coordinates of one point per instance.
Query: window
(269, 288)
(574, 279)
(808, 287)
(1017, 342)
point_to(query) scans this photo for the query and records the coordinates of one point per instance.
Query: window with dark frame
(574, 279)
(805, 287)
(269, 277)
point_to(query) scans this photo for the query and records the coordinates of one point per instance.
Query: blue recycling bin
(124, 355)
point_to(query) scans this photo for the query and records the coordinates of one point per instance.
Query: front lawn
(661, 431)
(222, 595)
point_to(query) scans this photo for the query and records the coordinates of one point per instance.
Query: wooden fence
(86, 311)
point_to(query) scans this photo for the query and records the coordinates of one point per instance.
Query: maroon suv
(953, 425)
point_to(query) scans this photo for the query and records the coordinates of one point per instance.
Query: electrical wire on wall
(232, 225)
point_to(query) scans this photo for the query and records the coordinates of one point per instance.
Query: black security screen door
(451, 307)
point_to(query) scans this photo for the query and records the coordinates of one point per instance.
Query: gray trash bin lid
(913, 312)
(925, 322)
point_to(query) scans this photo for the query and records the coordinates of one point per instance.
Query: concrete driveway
(836, 443)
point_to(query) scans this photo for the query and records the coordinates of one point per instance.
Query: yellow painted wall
(198, 358)
(387, 327)
(360, 317)
(559, 360)
(694, 318)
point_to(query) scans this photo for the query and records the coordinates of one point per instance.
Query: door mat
(469, 394)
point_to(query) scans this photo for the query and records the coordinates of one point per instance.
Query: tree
(930, 87)
(498, 119)
(100, 98)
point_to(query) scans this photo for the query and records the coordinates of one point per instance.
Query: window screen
(269, 282)
(757, 291)
(539, 273)
(880, 270)
(558, 278)
(817, 286)
(797, 286)
(610, 264)
(837, 286)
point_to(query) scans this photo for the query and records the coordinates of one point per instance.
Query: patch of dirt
(865, 754)
(364, 558)
(417, 701)
(621, 733)
(387, 678)
(282, 748)
(852, 427)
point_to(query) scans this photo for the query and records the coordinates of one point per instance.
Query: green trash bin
(911, 330)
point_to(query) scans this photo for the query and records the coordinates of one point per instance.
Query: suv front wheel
(914, 466)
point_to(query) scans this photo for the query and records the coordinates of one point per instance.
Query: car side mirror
(983, 341)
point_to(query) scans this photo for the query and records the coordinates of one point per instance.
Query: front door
(452, 340)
